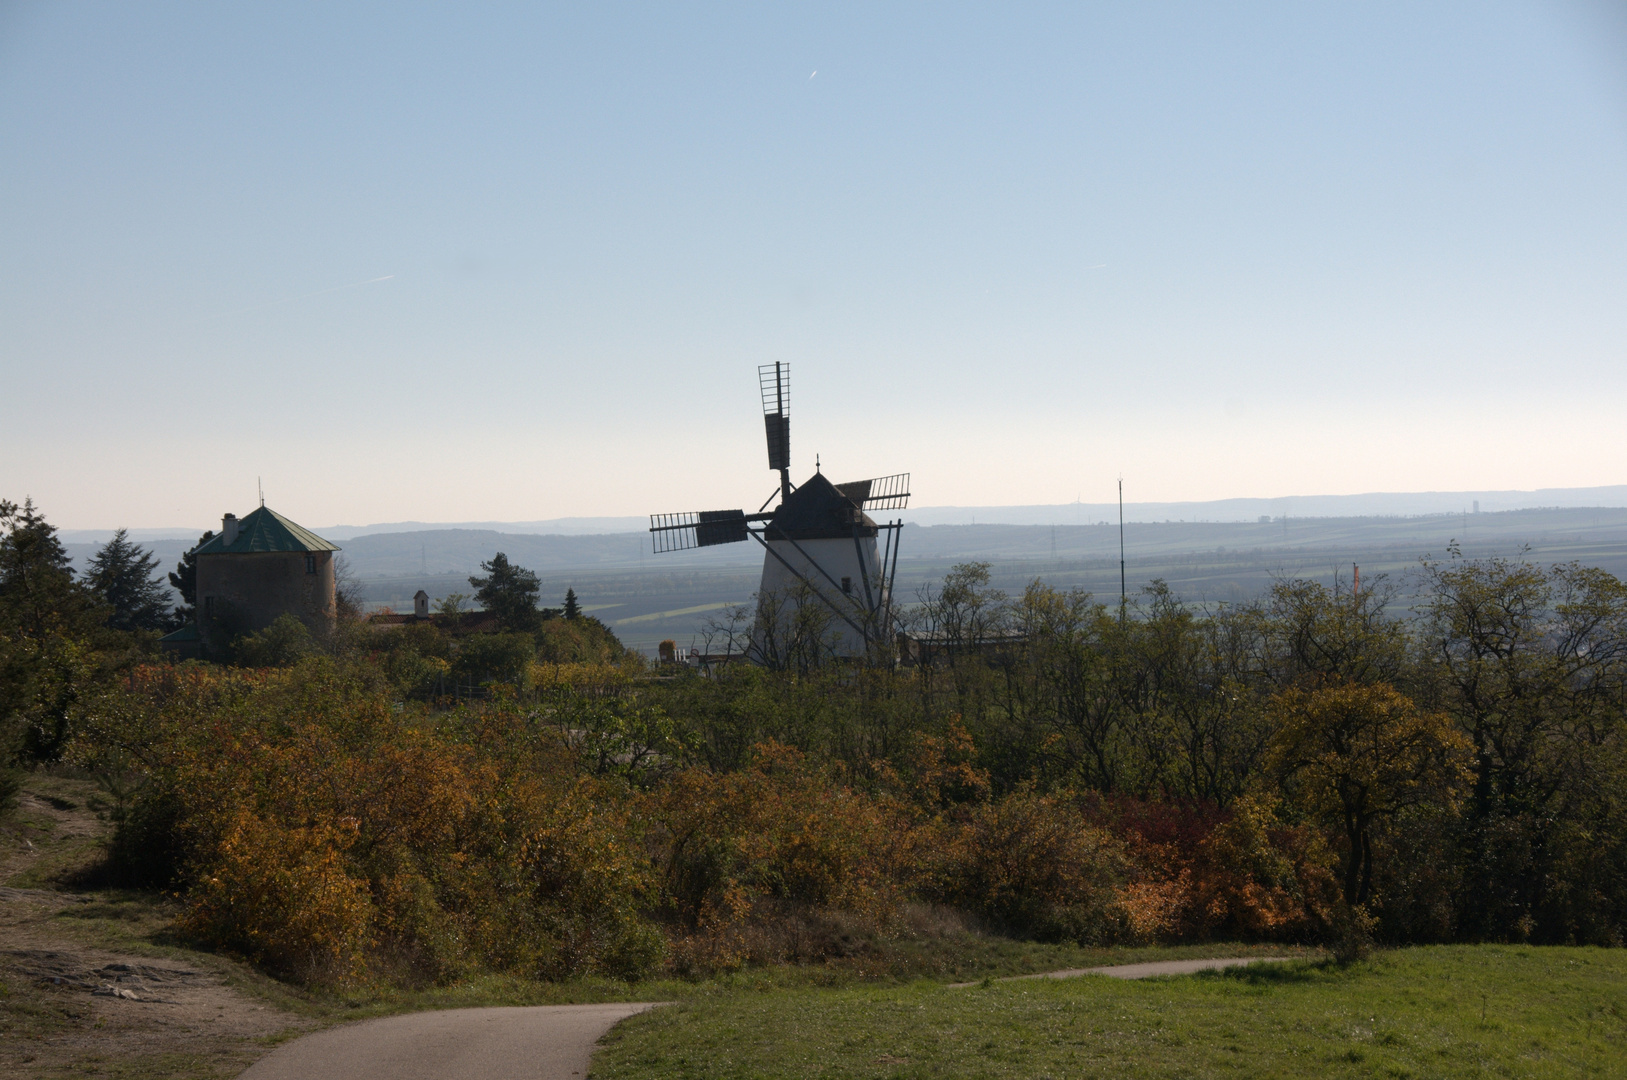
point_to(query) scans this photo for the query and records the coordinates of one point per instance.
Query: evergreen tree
(508, 592)
(121, 576)
(46, 619)
(184, 579)
(572, 609)
(38, 594)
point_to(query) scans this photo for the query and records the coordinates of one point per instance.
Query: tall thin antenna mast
(262, 488)
(1124, 594)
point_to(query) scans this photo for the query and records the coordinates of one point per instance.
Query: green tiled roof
(267, 530)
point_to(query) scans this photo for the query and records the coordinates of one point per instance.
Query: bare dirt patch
(86, 989)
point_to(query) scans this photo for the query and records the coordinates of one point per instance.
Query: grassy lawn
(1458, 1011)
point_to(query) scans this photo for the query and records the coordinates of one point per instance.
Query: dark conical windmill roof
(818, 511)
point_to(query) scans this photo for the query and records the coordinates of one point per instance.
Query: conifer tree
(572, 609)
(38, 594)
(184, 579)
(508, 592)
(121, 576)
(46, 619)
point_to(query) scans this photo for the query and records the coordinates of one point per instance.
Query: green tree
(572, 609)
(282, 644)
(508, 592)
(1532, 662)
(121, 576)
(1358, 756)
(38, 593)
(184, 580)
(46, 619)
(1319, 636)
(493, 658)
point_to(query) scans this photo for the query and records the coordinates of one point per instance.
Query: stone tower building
(259, 568)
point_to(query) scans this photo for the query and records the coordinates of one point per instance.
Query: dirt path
(1142, 971)
(542, 1042)
(82, 993)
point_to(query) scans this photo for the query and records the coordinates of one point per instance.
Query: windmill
(818, 543)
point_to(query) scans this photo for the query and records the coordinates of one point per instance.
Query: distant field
(1451, 1011)
(647, 598)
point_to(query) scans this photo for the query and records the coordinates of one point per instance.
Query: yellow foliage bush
(325, 834)
(1033, 863)
(285, 898)
(782, 834)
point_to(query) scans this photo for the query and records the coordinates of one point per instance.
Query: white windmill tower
(818, 543)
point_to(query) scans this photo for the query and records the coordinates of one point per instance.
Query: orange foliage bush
(1201, 873)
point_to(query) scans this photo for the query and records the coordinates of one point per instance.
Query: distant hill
(1374, 504)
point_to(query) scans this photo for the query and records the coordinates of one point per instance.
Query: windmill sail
(882, 493)
(774, 380)
(708, 528)
(779, 441)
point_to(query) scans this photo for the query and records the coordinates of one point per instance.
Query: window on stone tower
(847, 585)
(310, 564)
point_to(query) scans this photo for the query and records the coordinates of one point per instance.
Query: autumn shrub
(1198, 872)
(324, 833)
(493, 658)
(284, 642)
(1034, 864)
(1256, 878)
(779, 838)
(284, 897)
(314, 822)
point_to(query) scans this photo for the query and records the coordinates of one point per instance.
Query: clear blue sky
(1222, 249)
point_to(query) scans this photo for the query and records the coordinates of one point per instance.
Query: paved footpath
(541, 1042)
(1142, 971)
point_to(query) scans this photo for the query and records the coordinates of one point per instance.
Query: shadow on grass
(1277, 974)
(117, 905)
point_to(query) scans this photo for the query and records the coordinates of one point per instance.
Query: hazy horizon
(1364, 505)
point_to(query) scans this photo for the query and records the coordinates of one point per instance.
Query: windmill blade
(708, 528)
(882, 493)
(774, 380)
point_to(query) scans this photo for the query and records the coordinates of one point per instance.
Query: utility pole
(1124, 595)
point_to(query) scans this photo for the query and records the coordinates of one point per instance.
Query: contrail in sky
(291, 299)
